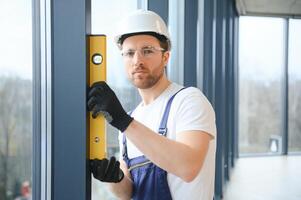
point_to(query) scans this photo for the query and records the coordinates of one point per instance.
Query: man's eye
(148, 51)
(129, 53)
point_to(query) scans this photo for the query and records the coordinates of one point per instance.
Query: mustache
(139, 69)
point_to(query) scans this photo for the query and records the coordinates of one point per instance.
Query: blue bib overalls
(149, 180)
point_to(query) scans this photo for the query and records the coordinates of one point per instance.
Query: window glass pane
(104, 22)
(261, 62)
(176, 21)
(15, 99)
(294, 86)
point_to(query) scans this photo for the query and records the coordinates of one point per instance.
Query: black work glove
(106, 171)
(102, 99)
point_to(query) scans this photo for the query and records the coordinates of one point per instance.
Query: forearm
(175, 157)
(123, 189)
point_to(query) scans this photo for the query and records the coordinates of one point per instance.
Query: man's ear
(166, 56)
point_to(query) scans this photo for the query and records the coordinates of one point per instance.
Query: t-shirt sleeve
(194, 112)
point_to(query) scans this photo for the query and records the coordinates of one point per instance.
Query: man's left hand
(102, 99)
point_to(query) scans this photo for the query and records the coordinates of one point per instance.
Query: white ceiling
(290, 8)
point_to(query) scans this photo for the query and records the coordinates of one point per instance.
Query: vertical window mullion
(41, 165)
(285, 89)
(70, 178)
(190, 43)
(36, 110)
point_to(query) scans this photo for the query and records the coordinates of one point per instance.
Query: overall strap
(163, 124)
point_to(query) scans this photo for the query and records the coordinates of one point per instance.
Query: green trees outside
(15, 135)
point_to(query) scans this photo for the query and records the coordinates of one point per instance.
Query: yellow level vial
(97, 72)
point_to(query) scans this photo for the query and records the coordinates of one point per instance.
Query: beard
(143, 79)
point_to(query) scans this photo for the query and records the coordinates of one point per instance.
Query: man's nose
(137, 58)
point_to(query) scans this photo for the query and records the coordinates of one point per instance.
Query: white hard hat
(139, 22)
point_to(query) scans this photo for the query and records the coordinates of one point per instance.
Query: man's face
(144, 60)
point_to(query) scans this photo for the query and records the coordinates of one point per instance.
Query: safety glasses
(146, 52)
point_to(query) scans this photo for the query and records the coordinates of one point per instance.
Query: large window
(15, 99)
(294, 69)
(104, 22)
(261, 64)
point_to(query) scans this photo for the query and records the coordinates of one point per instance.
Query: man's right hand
(106, 170)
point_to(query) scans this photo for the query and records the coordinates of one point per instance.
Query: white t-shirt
(190, 110)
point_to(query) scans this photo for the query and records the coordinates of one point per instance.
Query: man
(168, 141)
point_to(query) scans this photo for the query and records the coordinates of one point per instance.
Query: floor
(265, 178)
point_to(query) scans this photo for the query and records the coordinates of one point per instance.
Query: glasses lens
(147, 52)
